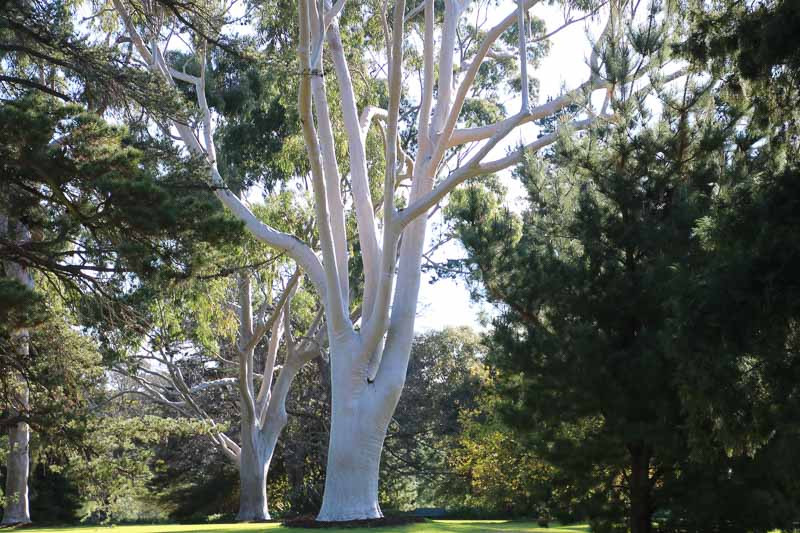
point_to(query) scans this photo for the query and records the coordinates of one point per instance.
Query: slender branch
(523, 55)
(244, 351)
(35, 85)
(223, 382)
(444, 133)
(261, 329)
(333, 12)
(333, 295)
(368, 114)
(414, 12)
(427, 89)
(518, 155)
(264, 395)
(365, 218)
(463, 136)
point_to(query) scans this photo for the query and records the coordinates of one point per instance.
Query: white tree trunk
(360, 414)
(254, 460)
(258, 446)
(351, 480)
(16, 510)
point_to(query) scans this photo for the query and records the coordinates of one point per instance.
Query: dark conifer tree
(598, 343)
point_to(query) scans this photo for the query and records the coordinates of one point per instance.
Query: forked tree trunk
(258, 446)
(253, 468)
(360, 415)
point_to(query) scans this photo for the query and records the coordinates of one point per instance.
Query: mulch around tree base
(310, 522)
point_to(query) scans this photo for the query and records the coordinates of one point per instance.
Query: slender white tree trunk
(255, 458)
(258, 446)
(16, 510)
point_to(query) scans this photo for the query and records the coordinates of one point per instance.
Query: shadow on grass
(437, 526)
(509, 526)
(161, 528)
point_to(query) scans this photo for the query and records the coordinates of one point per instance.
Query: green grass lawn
(438, 526)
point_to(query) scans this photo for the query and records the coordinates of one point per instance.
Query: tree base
(310, 522)
(16, 525)
(249, 517)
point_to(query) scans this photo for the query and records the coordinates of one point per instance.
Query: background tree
(741, 311)
(76, 200)
(78, 189)
(163, 372)
(496, 471)
(597, 342)
(443, 381)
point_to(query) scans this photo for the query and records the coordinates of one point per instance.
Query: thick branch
(332, 182)
(365, 219)
(375, 327)
(333, 296)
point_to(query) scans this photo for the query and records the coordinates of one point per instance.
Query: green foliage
(43, 51)
(54, 496)
(608, 285)
(114, 465)
(122, 205)
(62, 373)
(298, 468)
(19, 306)
(191, 482)
(442, 381)
(497, 472)
(258, 118)
(753, 37)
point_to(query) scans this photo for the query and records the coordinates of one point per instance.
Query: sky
(447, 302)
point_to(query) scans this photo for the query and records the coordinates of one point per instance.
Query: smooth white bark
(351, 481)
(16, 509)
(360, 415)
(254, 460)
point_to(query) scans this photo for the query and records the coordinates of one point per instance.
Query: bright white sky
(447, 302)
